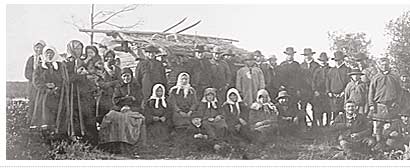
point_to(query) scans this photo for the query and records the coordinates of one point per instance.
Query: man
(271, 75)
(150, 72)
(291, 77)
(321, 99)
(233, 64)
(31, 65)
(249, 80)
(384, 98)
(354, 131)
(201, 78)
(220, 73)
(308, 67)
(336, 82)
(366, 66)
(356, 90)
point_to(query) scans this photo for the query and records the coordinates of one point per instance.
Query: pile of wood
(129, 44)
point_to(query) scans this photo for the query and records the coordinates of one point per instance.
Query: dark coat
(232, 118)
(319, 78)
(356, 92)
(337, 79)
(122, 93)
(308, 70)
(361, 125)
(220, 74)
(147, 74)
(290, 75)
(157, 130)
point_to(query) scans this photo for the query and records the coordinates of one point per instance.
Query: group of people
(212, 95)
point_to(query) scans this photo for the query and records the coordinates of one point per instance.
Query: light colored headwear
(259, 102)
(186, 88)
(57, 57)
(71, 45)
(213, 102)
(156, 98)
(43, 43)
(232, 103)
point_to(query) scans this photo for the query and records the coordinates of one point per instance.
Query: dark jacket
(122, 95)
(290, 75)
(360, 125)
(308, 70)
(147, 74)
(337, 79)
(220, 74)
(356, 92)
(319, 78)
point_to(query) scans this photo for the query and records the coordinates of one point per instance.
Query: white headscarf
(57, 57)
(37, 58)
(213, 102)
(232, 103)
(156, 98)
(186, 88)
(259, 101)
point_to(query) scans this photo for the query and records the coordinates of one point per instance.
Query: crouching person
(288, 114)
(397, 133)
(237, 115)
(157, 115)
(123, 127)
(211, 116)
(263, 118)
(354, 129)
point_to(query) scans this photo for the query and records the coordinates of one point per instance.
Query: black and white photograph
(152, 81)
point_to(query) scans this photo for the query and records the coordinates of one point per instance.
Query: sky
(269, 28)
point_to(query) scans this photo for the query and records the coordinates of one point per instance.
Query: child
(263, 117)
(288, 114)
(236, 114)
(354, 130)
(356, 90)
(156, 114)
(210, 115)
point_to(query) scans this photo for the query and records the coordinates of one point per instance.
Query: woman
(183, 102)
(210, 115)
(92, 57)
(236, 114)
(124, 125)
(81, 117)
(51, 81)
(263, 116)
(157, 115)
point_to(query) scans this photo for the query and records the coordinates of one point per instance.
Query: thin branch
(123, 27)
(125, 9)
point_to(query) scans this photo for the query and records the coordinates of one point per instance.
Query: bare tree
(104, 17)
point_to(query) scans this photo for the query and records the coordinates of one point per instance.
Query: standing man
(384, 98)
(232, 61)
(321, 99)
(249, 80)
(272, 76)
(150, 72)
(201, 68)
(31, 65)
(308, 67)
(336, 82)
(221, 74)
(291, 78)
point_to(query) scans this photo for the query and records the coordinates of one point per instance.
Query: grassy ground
(315, 144)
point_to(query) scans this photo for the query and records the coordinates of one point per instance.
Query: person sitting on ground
(397, 134)
(354, 131)
(157, 115)
(210, 115)
(263, 117)
(123, 126)
(288, 113)
(236, 114)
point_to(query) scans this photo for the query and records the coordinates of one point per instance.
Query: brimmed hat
(355, 72)
(359, 57)
(282, 94)
(217, 50)
(151, 49)
(272, 57)
(257, 53)
(249, 57)
(323, 57)
(289, 50)
(228, 52)
(308, 51)
(339, 55)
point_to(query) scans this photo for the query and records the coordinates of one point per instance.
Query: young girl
(236, 114)
(212, 118)
(263, 117)
(156, 114)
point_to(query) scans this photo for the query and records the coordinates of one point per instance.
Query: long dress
(215, 128)
(156, 130)
(29, 74)
(124, 125)
(51, 104)
(180, 103)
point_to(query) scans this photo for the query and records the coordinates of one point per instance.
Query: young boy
(356, 90)
(287, 112)
(354, 130)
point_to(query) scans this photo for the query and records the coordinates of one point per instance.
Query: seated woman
(210, 115)
(51, 81)
(123, 126)
(263, 117)
(236, 115)
(183, 101)
(157, 116)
